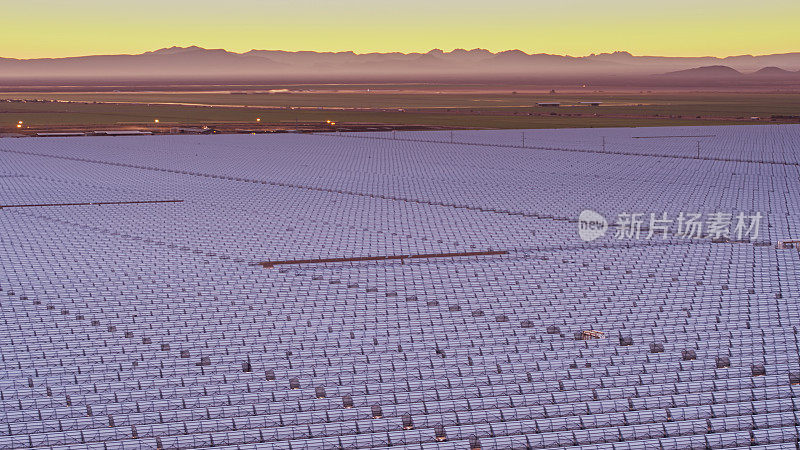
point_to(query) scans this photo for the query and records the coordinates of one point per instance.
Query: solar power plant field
(405, 290)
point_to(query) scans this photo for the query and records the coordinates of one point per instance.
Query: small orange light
(19, 125)
(258, 119)
(156, 120)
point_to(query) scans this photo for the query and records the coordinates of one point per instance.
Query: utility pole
(604, 143)
(523, 139)
(451, 136)
(698, 149)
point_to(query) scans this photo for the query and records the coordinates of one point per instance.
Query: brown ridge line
(268, 264)
(90, 203)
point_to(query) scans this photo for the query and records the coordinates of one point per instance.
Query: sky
(57, 28)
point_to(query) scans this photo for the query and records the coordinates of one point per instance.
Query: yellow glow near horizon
(41, 28)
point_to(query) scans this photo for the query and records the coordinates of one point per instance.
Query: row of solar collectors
(715, 141)
(476, 410)
(193, 434)
(647, 304)
(686, 407)
(349, 242)
(716, 318)
(522, 271)
(348, 159)
(60, 238)
(698, 442)
(503, 382)
(771, 143)
(428, 399)
(696, 314)
(477, 370)
(353, 243)
(592, 374)
(719, 342)
(529, 274)
(690, 296)
(380, 441)
(555, 352)
(618, 254)
(648, 388)
(324, 312)
(67, 234)
(699, 303)
(746, 415)
(552, 339)
(417, 232)
(753, 315)
(705, 313)
(534, 272)
(556, 336)
(489, 230)
(547, 195)
(350, 232)
(226, 398)
(540, 278)
(724, 338)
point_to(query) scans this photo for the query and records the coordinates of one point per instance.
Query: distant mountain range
(196, 63)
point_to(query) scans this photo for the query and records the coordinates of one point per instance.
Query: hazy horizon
(423, 51)
(42, 29)
(196, 63)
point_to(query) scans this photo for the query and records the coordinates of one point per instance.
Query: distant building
(60, 134)
(120, 133)
(549, 104)
(590, 103)
(190, 130)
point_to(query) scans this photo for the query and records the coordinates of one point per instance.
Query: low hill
(705, 72)
(775, 72)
